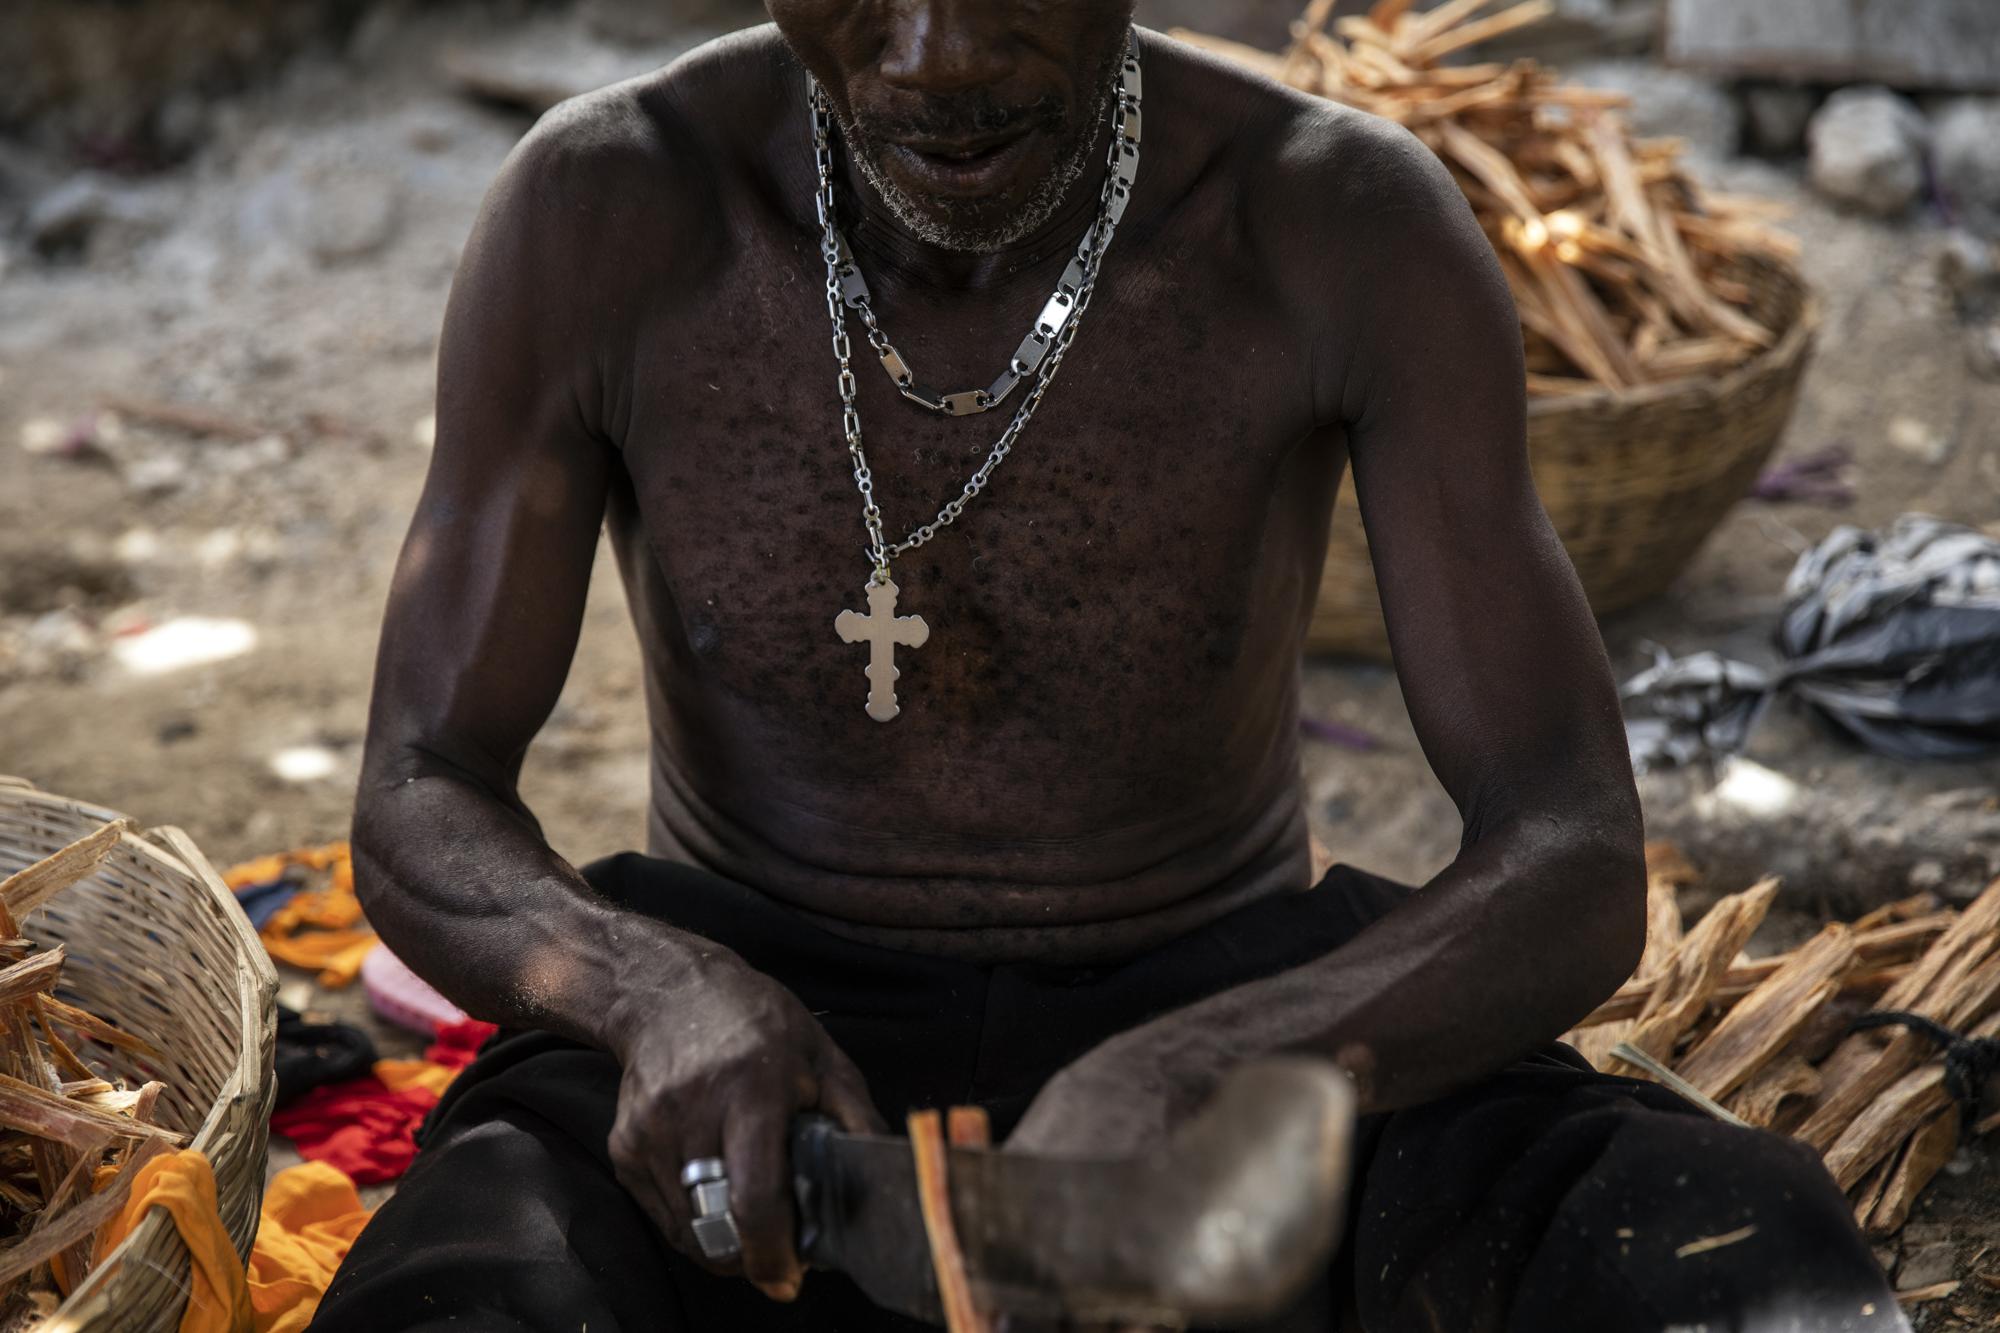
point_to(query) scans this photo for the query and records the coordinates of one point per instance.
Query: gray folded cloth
(1893, 637)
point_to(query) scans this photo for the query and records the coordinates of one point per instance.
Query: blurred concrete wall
(1951, 44)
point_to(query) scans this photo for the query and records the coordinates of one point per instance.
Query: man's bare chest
(1119, 549)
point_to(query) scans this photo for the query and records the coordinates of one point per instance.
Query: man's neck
(887, 246)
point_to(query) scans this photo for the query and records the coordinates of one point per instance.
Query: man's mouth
(968, 168)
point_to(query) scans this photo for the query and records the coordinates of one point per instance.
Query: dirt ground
(288, 279)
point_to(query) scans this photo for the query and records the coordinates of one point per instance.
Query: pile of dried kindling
(63, 1126)
(1624, 271)
(1773, 1041)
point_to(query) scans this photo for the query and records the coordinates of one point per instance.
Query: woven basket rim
(176, 852)
(1789, 347)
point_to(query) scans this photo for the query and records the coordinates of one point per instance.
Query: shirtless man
(1069, 836)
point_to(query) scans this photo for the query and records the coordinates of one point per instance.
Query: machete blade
(1224, 1226)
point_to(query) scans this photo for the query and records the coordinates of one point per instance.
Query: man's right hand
(718, 1061)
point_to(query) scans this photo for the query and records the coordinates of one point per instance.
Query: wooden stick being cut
(927, 1144)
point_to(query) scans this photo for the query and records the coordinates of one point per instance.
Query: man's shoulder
(1309, 166)
(662, 143)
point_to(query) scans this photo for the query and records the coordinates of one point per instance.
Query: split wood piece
(927, 1146)
(1698, 967)
(84, 1087)
(1292, 63)
(49, 1160)
(1494, 25)
(1882, 1126)
(72, 1264)
(1763, 1098)
(144, 1110)
(25, 890)
(118, 1101)
(33, 976)
(1868, 1196)
(90, 1025)
(968, 1127)
(18, 1197)
(1903, 909)
(1884, 944)
(1863, 982)
(75, 1224)
(1936, 1291)
(1955, 982)
(66, 1060)
(1925, 1155)
(1765, 1020)
(57, 1119)
(1427, 27)
(1975, 934)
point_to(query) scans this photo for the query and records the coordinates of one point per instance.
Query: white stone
(1752, 789)
(1965, 140)
(137, 546)
(1920, 439)
(43, 435)
(186, 641)
(1866, 148)
(1926, 1267)
(305, 763)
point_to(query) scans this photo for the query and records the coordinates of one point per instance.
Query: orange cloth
(319, 928)
(311, 1216)
(183, 1184)
(397, 1075)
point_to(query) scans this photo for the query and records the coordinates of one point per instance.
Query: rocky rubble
(1965, 145)
(1866, 150)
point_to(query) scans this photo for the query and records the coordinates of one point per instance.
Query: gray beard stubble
(953, 224)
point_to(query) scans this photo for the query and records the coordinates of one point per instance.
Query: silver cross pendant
(882, 629)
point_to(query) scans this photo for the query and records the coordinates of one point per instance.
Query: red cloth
(458, 1042)
(362, 1127)
(367, 1128)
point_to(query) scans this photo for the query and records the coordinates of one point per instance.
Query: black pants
(1549, 1198)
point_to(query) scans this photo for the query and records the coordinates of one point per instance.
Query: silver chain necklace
(1038, 358)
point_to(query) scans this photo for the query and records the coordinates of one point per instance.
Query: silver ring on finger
(706, 1180)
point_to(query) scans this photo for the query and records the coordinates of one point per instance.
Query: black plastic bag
(1892, 637)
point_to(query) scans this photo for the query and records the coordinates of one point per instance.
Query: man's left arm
(1541, 915)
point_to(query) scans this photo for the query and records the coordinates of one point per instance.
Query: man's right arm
(482, 621)
(481, 625)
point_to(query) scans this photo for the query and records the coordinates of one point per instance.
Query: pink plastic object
(402, 997)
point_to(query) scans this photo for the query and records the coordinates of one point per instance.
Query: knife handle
(814, 1181)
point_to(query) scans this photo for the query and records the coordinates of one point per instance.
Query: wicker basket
(1634, 479)
(158, 946)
